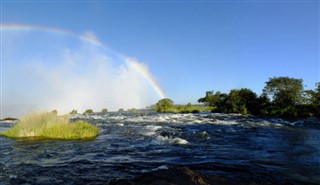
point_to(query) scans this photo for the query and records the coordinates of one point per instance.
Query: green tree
(55, 112)
(74, 111)
(104, 110)
(121, 110)
(315, 100)
(164, 105)
(242, 101)
(133, 110)
(214, 100)
(286, 94)
(88, 111)
(263, 105)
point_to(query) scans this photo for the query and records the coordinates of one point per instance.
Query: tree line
(281, 96)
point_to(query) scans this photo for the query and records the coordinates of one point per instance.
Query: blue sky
(191, 47)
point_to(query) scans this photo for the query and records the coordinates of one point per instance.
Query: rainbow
(142, 70)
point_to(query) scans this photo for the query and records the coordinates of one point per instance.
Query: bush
(49, 125)
(105, 110)
(74, 111)
(88, 111)
(164, 105)
(133, 110)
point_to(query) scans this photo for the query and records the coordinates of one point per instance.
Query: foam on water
(150, 130)
(130, 144)
(175, 141)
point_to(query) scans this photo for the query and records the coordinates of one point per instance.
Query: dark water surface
(232, 146)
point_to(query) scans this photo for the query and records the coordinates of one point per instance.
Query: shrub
(133, 110)
(49, 125)
(164, 105)
(104, 110)
(54, 112)
(88, 111)
(74, 111)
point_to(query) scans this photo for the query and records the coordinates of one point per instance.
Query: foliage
(54, 112)
(74, 111)
(285, 91)
(263, 105)
(133, 110)
(164, 105)
(88, 111)
(316, 99)
(49, 125)
(241, 101)
(189, 108)
(288, 99)
(313, 102)
(213, 100)
(104, 110)
(121, 110)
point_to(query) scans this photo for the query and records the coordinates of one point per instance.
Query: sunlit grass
(49, 125)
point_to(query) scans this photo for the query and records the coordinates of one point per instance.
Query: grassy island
(49, 125)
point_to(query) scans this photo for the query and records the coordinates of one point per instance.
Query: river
(234, 146)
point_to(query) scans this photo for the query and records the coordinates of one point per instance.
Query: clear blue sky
(191, 47)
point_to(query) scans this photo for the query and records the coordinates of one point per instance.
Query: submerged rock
(185, 175)
(179, 175)
(9, 119)
(175, 176)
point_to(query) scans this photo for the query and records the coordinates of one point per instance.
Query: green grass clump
(49, 125)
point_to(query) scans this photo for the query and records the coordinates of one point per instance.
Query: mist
(56, 72)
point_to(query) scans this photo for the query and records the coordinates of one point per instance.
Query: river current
(233, 146)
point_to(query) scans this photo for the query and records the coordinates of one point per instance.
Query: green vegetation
(167, 105)
(133, 110)
(104, 110)
(242, 101)
(88, 111)
(164, 105)
(49, 125)
(74, 111)
(54, 112)
(282, 96)
(121, 110)
(189, 108)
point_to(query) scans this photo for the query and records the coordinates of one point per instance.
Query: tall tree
(242, 101)
(316, 99)
(284, 91)
(213, 100)
(164, 105)
(286, 95)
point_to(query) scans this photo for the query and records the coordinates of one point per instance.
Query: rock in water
(9, 119)
(174, 176)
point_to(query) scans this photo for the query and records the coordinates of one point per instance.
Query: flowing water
(233, 146)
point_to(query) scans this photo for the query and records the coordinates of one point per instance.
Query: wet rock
(166, 177)
(175, 176)
(9, 119)
(204, 134)
(312, 121)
